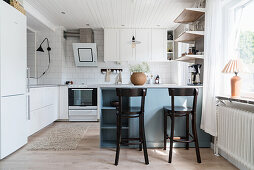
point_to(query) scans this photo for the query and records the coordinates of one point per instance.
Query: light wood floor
(89, 156)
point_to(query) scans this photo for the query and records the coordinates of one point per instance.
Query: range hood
(85, 52)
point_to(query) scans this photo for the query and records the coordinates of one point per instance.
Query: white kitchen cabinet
(159, 45)
(153, 46)
(13, 124)
(44, 107)
(111, 44)
(13, 94)
(143, 50)
(63, 103)
(127, 53)
(12, 51)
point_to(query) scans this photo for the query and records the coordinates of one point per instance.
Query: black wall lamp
(40, 49)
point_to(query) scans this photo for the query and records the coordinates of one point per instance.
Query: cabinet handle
(28, 106)
(81, 89)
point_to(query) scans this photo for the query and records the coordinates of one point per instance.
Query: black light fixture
(40, 49)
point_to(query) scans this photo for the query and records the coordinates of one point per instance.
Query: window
(246, 47)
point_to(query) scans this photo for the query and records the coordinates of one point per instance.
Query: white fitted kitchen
(92, 84)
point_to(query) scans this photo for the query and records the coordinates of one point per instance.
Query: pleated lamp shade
(233, 66)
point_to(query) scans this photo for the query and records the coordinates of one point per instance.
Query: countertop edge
(108, 86)
(46, 85)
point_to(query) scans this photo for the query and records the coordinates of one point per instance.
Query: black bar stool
(131, 112)
(179, 111)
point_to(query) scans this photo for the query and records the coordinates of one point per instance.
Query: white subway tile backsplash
(63, 68)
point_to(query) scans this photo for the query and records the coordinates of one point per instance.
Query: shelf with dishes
(190, 15)
(190, 36)
(190, 58)
(170, 45)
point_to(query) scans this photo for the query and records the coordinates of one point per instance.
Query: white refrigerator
(13, 85)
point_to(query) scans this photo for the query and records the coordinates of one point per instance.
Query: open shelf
(108, 108)
(108, 137)
(189, 15)
(112, 126)
(190, 58)
(190, 36)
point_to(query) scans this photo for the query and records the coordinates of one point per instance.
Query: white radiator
(236, 136)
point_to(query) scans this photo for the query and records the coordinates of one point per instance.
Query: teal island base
(155, 100)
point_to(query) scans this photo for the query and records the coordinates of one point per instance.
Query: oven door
(82, 97)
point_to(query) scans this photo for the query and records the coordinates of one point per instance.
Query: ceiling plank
(110, 13)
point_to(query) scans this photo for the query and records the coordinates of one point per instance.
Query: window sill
(246, 100)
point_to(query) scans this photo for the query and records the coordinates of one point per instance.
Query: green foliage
(143, 67)
(246, 45)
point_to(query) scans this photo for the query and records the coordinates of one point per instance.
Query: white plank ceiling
(111, 13)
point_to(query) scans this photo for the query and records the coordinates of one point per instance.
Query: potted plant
(138, 76)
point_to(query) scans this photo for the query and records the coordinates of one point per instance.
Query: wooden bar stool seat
(127, 113)
(180, 111)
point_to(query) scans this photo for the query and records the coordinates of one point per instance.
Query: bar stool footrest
(134, 143)
(183, 141)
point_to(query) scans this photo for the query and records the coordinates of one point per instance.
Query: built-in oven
(83, 104)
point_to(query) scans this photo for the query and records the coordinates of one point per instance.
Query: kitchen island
(157, 97)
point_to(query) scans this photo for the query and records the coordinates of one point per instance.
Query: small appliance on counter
(82, 103)
(194, 74)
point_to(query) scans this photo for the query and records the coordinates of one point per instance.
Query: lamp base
(235, 86)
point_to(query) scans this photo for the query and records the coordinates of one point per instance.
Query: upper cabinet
(111, 44)
(127, 53)
(118, 47)
(159, 45)
(143, 50)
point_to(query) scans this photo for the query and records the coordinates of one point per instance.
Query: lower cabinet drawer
(82, 115)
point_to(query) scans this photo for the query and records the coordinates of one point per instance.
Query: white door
(13, 50)
(159, 45)
(111, 44)
(143, 50)
(126, 51)
(13, 124)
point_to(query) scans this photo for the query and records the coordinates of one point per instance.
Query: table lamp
(234, 66)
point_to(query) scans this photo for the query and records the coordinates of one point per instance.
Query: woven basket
(18, 6)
